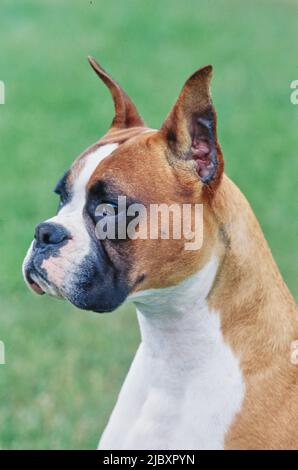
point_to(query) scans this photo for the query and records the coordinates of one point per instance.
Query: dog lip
(33, 285)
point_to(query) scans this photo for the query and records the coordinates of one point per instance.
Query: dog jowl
(181, 163)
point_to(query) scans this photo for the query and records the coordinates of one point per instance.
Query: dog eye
(105, 209)
(61, 203)
(62, 191)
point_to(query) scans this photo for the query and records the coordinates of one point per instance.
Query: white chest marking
(185, 385)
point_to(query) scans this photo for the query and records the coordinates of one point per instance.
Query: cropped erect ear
(126, 114)
(190, 128)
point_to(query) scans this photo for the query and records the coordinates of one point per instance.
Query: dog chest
(170, 402)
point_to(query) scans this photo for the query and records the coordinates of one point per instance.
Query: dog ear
(126, 114)
(190, 128)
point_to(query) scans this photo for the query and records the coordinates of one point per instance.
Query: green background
(65, 367)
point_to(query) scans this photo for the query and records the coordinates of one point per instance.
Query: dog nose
(50, 234)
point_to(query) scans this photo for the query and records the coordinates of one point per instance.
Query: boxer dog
(214, 368)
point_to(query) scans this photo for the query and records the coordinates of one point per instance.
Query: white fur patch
(59, 269)
(90, 163)
(71, 217)
(185, 385)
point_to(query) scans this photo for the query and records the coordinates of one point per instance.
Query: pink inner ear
(200, 149)
(201, 155)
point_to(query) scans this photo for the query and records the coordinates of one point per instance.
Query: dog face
(179, 164)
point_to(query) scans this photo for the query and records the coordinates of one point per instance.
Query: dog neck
(174, 320)
(184, 366)
(184, 386)
(256, 307)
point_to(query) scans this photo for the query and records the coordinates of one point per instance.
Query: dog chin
(84, 301)
(76, 295)
(73, 293)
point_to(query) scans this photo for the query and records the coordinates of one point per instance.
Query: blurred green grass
(64, 367)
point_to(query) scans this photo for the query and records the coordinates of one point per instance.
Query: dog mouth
(39, 284)
(34, 283)
(36, 277)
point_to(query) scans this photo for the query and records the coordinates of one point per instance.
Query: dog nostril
(45, 238)
(50, 234)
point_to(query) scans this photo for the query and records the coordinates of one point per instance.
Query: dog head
(181, 163)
